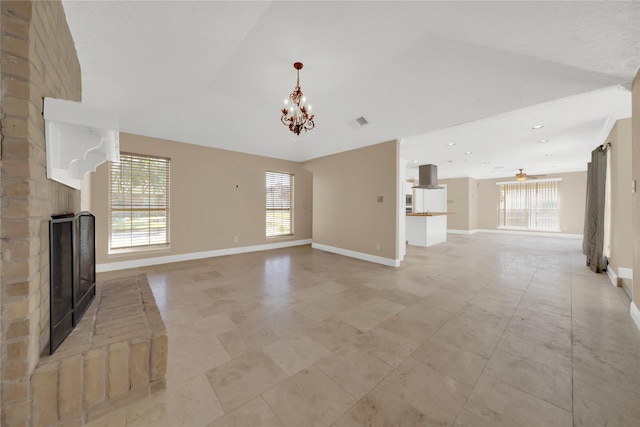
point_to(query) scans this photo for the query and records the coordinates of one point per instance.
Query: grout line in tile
(492, 352)
(268, 404)
(573, 412)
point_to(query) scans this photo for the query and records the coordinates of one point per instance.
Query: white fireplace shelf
(78, 138)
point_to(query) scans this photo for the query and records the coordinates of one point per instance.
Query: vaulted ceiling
(476, 74)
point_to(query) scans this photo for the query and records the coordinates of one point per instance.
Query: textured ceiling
(479, 74)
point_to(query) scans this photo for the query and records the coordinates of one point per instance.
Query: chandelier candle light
(296, 115)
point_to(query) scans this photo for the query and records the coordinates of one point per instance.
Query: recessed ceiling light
(542, 141)
(415, 161)
(537, 127)
(451, 144)
(449, 161)
(548, 155)
(467, 152)
(486, 163)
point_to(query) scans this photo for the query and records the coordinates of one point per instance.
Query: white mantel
(78, 138)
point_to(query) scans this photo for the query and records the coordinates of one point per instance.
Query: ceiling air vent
(358, 123)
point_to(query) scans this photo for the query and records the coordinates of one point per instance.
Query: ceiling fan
(522, 176)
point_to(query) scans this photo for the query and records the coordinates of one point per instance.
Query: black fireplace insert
(72, 264)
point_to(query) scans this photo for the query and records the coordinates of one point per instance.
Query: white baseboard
(358, 255)
(520, 232)
(635, 313)
(625, 273)
(529, 233)
(612, 276)
(123, 265)
(449, 231)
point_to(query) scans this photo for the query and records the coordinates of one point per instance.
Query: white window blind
(529, 205)
(279, 207)
(139, 202)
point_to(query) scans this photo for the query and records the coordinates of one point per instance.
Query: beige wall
(621, 238)
(572, 193)
(214, 195)
(346, 213)
(38, 60)
(635, 142)
(473, 204)
(488, 203)
(458, 203)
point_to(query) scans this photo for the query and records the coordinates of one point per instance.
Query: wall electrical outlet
(236, 238)
(378, 246)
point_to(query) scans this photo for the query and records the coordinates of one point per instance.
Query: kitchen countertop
(429, 213)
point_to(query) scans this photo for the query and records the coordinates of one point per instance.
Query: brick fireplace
(103, 363)
(38, 60)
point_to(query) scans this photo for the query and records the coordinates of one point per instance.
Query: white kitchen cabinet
(408, 188)
(418, 200)
(426, 230)
(429, 200)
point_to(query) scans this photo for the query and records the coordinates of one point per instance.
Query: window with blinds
(139, 202)
(529, 205)
(279, 212)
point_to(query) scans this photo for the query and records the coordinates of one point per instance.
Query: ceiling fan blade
(523, 176)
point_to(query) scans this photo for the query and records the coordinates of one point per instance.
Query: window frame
(167, 205)
(502, 212)
(290, 209)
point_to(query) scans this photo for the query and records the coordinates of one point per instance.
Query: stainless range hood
(428, 177)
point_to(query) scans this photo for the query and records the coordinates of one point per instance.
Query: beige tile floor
(483, 330)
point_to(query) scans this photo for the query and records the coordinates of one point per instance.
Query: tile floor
(483, 330)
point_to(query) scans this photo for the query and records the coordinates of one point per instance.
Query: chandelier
(296, 115)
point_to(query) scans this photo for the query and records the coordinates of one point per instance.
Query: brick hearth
(117, 354)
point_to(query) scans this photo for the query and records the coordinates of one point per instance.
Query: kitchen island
(426, 229)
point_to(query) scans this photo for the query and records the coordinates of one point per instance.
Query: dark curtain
(593, 242)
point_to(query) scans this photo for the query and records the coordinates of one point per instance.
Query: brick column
(38, 60)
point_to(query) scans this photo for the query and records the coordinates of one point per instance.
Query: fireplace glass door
(72, 272)
(61, 267)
